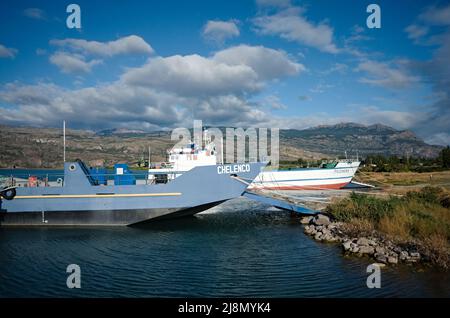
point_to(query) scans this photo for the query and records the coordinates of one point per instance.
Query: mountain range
(42, 147)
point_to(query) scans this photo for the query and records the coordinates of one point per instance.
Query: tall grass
(422, 216)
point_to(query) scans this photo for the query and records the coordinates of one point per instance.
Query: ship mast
(64, 140)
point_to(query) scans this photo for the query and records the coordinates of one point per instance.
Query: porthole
(72, 167)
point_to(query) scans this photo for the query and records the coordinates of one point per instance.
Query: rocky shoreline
(383, 250)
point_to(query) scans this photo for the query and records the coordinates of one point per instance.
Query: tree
(445, 157)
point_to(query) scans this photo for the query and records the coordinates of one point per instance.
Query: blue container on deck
(98, 175)
(123, 175)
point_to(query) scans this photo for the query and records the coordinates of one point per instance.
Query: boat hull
(306, 179)
(80, 203)
(99, 217)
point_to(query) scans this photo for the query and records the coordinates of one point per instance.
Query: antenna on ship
(64, 140)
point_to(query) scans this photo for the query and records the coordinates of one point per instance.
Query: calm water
(237, 249)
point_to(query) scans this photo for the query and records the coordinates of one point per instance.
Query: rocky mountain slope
(42, 147)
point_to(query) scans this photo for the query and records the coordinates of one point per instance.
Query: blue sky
(267, 63)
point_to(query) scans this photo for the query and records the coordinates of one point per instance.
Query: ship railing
(57, 179)
(32, 180)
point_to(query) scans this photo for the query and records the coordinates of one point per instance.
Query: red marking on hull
(334, 186)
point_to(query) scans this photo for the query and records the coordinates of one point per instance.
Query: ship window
(72, 167)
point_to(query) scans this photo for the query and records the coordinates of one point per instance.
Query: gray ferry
(82, 196)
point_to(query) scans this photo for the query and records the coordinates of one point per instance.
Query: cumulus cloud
(437, 73)
(35, 13)
(7, 52)
(132, 44)
(267, 63)
(434, 15)
(431, 28)
(415, 32)
(72, 63)
(386, 74)
(165, 92)
(273, 102)
(292, 25)
(393, 118)
(219, 31)
(193, 75)
(241, 69)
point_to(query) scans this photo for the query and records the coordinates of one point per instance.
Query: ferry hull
(79, 202)
(98, 218)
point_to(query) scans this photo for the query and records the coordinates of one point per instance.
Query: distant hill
(42, 147)
(352, 137)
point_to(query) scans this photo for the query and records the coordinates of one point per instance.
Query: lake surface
(239, 248)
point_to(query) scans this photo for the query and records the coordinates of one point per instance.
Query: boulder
(379, 250)
(362, 241)
(321, 219)
(306, 220)
(347, 245)
(307, 229)
(415, 255)
(392, 260)
(366, 250)
(381, 258)
(403, 255)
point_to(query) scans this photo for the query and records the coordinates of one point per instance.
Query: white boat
(330, 175)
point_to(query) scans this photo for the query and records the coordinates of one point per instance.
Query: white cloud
(439, 139)
(165, 92)
(219, 31)
(72, 63)
(393, 118)
(273, 102)
(340, 68)
(132, 44)
(267, 63)
(35, 13)
(386, 75)
(436, 15)
(416, 31)
(241, 69)
(192, 75)
(7, 52)
(290, 24)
